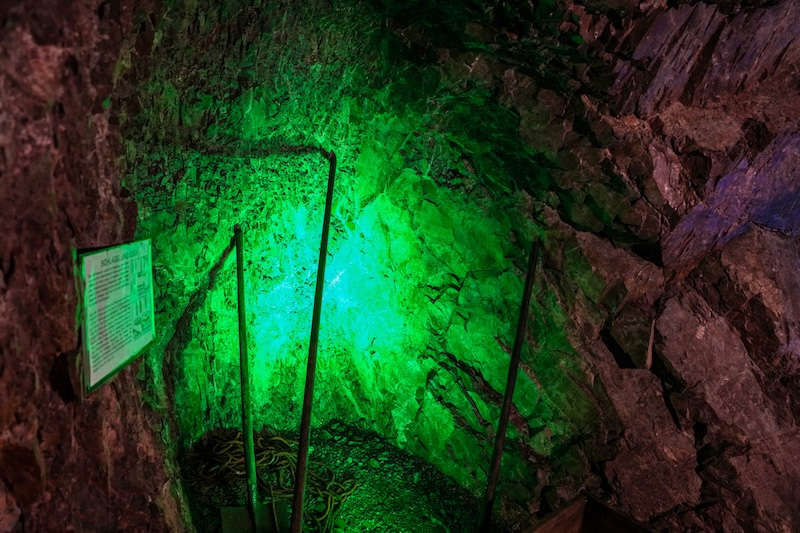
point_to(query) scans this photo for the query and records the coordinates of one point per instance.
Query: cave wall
(659, 169)
(663, 187)
(65, 464)
(702, 126)
(429, 238)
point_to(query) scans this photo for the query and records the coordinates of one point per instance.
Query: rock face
(703, 121)
(678, 182)
(425, 267)
(663, 374)
(65, 464)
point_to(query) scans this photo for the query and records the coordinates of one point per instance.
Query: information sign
(118, 320)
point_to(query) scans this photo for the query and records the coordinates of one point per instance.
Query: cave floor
(389, 489)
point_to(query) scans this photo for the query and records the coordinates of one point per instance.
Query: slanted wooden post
(505, 412)
(244, 375)
(311, 365)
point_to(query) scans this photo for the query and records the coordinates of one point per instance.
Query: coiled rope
(219, 457)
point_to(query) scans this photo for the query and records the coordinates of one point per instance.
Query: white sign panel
(118, 308)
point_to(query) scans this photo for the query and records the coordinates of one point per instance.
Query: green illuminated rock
(429, 232)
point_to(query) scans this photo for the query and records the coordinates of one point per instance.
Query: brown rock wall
(65, 465)
(696, 148)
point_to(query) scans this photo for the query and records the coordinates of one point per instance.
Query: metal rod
(513, 369)
(308, 395)
(244, 374)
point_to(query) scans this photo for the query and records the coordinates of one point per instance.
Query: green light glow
(422, 291)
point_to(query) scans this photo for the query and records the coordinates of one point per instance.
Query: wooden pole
(244, 375)
(505, 412)
(308, 395)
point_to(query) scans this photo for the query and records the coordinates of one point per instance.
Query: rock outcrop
(65, 464)
(702, 128)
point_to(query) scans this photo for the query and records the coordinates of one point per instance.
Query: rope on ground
(219, 457)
